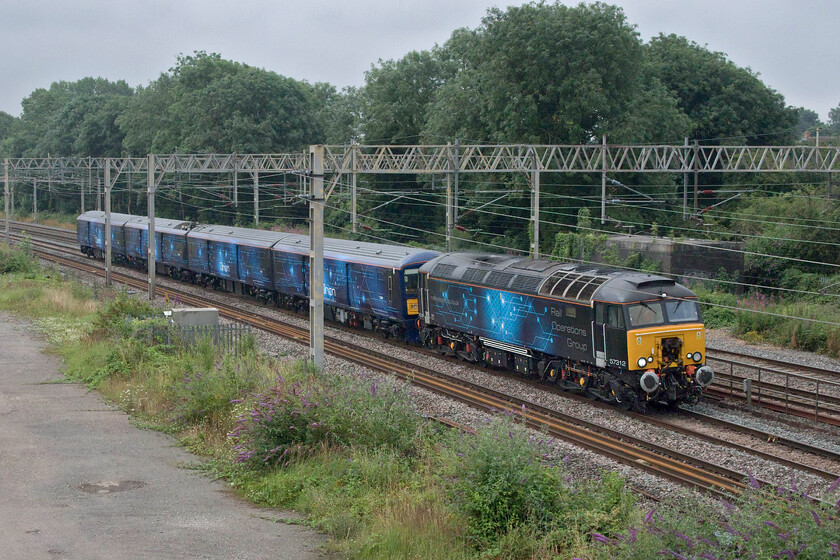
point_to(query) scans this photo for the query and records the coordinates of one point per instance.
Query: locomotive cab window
(411, 280)
(643, 314)
(610, 315)
(679, 311)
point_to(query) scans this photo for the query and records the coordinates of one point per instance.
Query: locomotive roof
(245, 236)
(376, 254)
(567, 281)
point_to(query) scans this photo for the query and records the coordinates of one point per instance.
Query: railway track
(646, 456)
(605, 441)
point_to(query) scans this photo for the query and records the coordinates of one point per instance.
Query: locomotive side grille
(499, 279)
(522, 283)
(443, 270)
(474, 275)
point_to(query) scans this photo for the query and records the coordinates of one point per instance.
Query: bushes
(303, 412)
(771, 523)
(17, 260)
(511, 495)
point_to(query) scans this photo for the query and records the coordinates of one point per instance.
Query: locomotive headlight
(650, 359)
(697, 356)
(642, 362)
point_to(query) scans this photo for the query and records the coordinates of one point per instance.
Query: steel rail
(604, 441)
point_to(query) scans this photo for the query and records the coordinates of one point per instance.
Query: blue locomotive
(621, 337)
(366, 285)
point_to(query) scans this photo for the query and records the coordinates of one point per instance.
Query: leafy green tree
(73, 118)
(726, 104)
(147, 122)
(8, 126)
(338, 113)
(834, 120)
(547, 73)
(808, 121)
(397, 95)
(208, 104)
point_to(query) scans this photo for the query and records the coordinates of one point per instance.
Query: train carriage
(233, 256)
(170, 242)
(367, 285)
(90, 232)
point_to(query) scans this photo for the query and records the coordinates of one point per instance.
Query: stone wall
(684, 257)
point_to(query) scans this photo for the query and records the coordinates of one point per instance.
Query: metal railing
(792, 389)
(227, 338)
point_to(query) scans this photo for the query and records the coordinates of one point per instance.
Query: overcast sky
(792, 44)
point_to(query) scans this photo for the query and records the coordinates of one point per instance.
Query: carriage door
(609, 334)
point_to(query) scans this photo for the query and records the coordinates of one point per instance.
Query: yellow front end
(657, 346)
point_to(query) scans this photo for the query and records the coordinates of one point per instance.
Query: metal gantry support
(256, 198)
(316, 256)
(535, 209)
(34, 200)
(6, 197)
(108, 238)
(353, 200)
(604, 179)
(450, 215)
(151, 262)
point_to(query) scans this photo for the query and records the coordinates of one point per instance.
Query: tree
(74, 118)
(208, 104)
(337, 113)
(397, 95)
(834, 120)
(543, 73)
(808, 121)
(726, 104)
(7, 130)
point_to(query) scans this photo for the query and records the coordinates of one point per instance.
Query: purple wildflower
(835, 550)
(566, 459)
(600, 538)
(771, 524)
(649, 516)
(816, 518)
(834, 485)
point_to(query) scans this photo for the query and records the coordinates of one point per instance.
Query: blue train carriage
(170, 244)
(569, 324)
(366, 285)
(233, 259)
(90, 233)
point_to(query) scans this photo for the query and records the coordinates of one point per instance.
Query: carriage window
(643, 314)
(681, 311)
(411, 279)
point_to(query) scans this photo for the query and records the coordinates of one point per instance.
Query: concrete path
(78, 481)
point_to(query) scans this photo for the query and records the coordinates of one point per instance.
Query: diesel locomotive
(621, 337)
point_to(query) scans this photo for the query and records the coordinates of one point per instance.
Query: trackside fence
(227, 338)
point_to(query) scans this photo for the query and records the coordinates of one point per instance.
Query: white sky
(792, 44)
